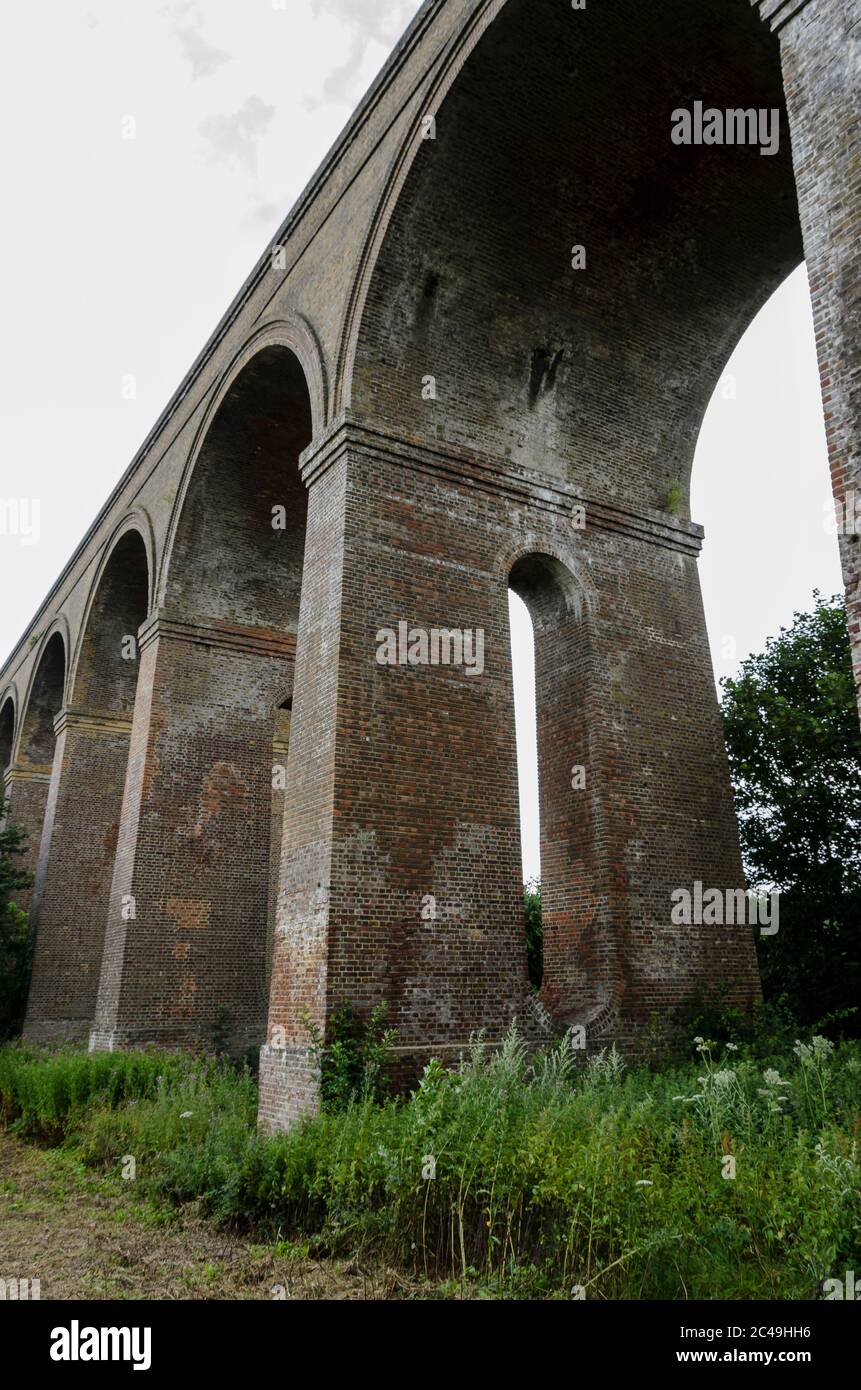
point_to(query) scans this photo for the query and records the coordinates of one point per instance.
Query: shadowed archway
(29, 777)
(7, 738)
(580, 913)
(217, 663)
(70, 902)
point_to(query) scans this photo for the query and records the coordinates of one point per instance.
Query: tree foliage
(534, 934)
(794, 743)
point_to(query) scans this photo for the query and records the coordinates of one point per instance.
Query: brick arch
(464, 42)
(7, 732)
(265, 403)
(45, 698)
(546, 562)
(83, 806)
(84, 801)
(104, 669)
(601, 375)
(217, 662)
(30, 773)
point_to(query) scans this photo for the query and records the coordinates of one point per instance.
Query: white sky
(119, 256)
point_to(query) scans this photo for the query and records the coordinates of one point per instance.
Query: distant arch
(45, 699)
(105, 668)
(293, 345)
(7, 733)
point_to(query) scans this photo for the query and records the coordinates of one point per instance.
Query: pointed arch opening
(36, 751)
(523, 673)
(107, 666)
(573, 957)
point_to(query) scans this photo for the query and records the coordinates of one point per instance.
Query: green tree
(13, 927)
(794, 743)
(534, 933)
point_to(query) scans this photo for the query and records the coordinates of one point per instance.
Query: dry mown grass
(87, 1237)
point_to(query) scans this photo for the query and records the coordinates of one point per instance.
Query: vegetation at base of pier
(730, 1170)
(732, 1176)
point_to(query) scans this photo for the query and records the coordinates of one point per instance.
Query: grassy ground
(734, 1176)
(89, 1236)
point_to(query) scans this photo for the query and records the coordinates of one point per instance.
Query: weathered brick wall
(70, 902)
(186, 954)
(185, 941)
(27, 796)
(78, 844)
(299, 975)
(821, 48)
(423, 806)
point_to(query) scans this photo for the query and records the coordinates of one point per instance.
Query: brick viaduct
(175, 891)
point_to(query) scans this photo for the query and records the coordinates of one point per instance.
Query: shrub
(354, 1059)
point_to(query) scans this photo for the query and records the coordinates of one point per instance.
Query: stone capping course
(254, 641)
(92, 721)
(26, 774)
(497, 476)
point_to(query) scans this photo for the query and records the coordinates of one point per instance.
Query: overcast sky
(121, 254)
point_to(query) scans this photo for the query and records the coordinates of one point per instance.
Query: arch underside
(556, 134)
(234, 558)
(44, 703)
(105, 677)
(7, 736)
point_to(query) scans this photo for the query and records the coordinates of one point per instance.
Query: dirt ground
(85, 1236)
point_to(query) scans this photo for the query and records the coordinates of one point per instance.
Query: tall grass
(46, 1094)
(525, 1175)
